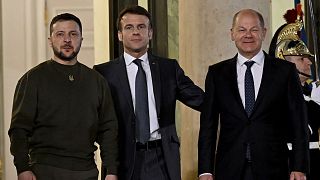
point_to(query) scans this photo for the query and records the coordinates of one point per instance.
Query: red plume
(299, 10)
(291, 16)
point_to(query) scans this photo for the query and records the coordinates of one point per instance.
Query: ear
(150, 33)
(50, 41)
(264, 32)
(120, 36)
(232, 34)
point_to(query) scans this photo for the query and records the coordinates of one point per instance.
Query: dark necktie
(141, 106)
(249, 88)
(249, 98)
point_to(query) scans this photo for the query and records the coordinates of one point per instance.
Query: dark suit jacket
(278, 117)
(169, 84)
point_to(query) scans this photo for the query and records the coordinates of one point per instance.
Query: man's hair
(133, 9)
(261, 20)
(65, 17)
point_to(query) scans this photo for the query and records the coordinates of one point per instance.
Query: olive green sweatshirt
(59, 112)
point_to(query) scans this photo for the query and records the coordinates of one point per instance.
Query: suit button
(249, 122)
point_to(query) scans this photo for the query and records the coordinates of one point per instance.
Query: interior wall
(101, 38)
(278, 9)
(143, 3)
(14, 65)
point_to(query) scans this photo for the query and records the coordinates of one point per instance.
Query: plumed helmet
(286, 41)
(289, 43)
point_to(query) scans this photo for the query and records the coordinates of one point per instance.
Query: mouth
(247, 42)
(136, 40)
(67, 47)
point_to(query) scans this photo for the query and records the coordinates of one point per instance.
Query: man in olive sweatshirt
(60, 109)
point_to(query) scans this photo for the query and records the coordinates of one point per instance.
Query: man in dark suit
(154, 155)
(260, 105)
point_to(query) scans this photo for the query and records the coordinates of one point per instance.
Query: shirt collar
(128, 58)
(258, 58)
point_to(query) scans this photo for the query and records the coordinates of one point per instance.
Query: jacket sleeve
(189, 93)
(108, 131)
(208, 128)
(22, 121)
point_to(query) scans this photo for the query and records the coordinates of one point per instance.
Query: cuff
(205, 174)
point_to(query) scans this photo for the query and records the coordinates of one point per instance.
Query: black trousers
(46, 172)
(150, 164)
(314, 165)
(247, 172)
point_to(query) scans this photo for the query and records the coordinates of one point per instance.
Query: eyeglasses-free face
(248, 33)
(135, 34)
(65, 41)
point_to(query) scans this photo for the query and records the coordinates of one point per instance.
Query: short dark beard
(63, 57)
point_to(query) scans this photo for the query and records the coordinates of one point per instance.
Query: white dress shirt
(256, 69)
(132, 70)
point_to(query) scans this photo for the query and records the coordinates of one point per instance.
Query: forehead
(129, 18)
(247, 18)
(65, 26)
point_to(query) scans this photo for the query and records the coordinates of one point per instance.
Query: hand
(111, 177)
(206, 177)
(315, 93)
(27, 175)
(295, 175)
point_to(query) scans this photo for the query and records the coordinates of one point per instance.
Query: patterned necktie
(249, 88)
(249, 99)
(141, 106)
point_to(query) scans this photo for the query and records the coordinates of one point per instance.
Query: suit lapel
(266, 83)
(121, 71)
(155, 74)
(232, 76)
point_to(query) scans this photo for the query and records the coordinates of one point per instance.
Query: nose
(67, 38)
(307, 60)
(136, 30)
(248, 34)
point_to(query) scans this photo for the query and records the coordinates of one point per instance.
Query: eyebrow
(66, 31)
(137, 24)
(248, 28)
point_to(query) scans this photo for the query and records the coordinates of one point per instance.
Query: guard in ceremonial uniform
(287, 45)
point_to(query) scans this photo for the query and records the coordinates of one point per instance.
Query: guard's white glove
(315, 93)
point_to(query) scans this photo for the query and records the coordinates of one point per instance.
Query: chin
(138, 50)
